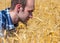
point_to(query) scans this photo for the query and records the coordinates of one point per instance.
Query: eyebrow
(31, 10)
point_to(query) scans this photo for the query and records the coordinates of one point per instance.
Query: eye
(30, 11)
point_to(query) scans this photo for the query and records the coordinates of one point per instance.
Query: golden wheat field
(44, 27)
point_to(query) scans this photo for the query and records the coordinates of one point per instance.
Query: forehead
(30, 4)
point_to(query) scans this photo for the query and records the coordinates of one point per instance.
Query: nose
(30, 16)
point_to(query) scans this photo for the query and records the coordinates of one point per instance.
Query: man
(20, 10)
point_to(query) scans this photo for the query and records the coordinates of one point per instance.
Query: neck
(14, 16)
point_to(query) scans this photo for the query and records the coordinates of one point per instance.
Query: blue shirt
(5, 20)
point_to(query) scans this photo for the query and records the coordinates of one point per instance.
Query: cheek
(26, 14)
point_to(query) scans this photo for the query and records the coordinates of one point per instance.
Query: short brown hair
(14, 2)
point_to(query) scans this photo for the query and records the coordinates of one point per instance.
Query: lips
(27, 19)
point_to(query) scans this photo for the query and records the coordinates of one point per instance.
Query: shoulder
(2, 12)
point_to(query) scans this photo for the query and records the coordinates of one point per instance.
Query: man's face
(27, 13)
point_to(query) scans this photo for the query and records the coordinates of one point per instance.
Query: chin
(24, 21)
(15, 22)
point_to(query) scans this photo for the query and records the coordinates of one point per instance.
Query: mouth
(27, 19)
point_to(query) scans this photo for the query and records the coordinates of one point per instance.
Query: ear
(18, 6)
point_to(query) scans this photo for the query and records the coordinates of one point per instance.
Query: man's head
(23, 9)
(15, 2)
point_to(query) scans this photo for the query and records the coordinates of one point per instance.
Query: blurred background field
(44, 27)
